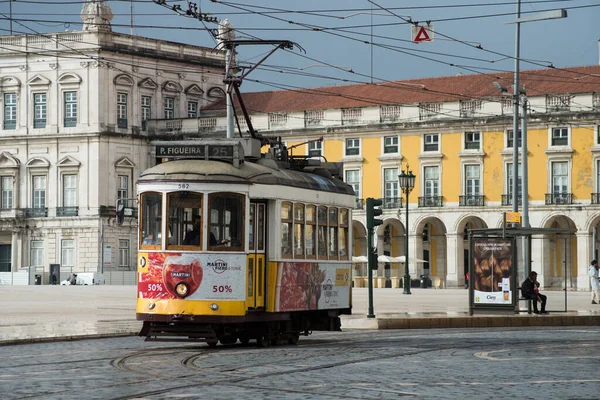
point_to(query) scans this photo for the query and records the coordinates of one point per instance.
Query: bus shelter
(501, 259)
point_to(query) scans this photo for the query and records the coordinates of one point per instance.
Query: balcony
(107, 211)
(559, 198)
(507, 199)
(431, 201)
(39, 212)
(359, 204)
(39, 123)
(162, 127)
(11, 213)
(392, 202)
(70, 122)
(67, 211)
(471, 200)
(10, 124)
(595, 198)
(122, 123)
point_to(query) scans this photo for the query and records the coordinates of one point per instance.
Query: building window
(124, 253)
(560, 136)
(36, 257)
(560, 177)
(299, 230)
(67, 253)
(509, 139)
(70, 109)
(123, 187)
(39, 110)
(390, 185)
(431, 142)
(509, 181)
(352, 147)
(192, 109)
(353, 179)
(472, 141)
(390, 144)
(315, 149)
(472, 180)
(122, 110)
(7, 192)
(286, 229)
(169, 107)
(10, 111)
(432, 181)
(146, 111)
(39, 191)
(69, 190)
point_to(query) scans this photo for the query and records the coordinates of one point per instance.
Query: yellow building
(455, 134)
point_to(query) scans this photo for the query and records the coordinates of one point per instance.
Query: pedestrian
(593, 273)
(528, 290)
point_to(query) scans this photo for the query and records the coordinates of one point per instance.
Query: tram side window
(260, 228)
(343, 234)
(322, 232)
(298, 230)
(310, 231)
(333, 233)
(226, 219)
(286, 229)
(151, 216)
(185, 219)
(251, 226)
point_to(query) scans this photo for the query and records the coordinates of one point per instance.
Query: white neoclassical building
(74, 137)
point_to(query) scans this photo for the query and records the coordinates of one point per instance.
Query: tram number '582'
(183, 186)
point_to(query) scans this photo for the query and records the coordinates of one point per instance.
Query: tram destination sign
(201, 151)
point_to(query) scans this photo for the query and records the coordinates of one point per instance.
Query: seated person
(192, 238)
(528, 290)
(214, 242)
(149, 239)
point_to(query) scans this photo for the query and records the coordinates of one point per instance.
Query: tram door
(255, 295)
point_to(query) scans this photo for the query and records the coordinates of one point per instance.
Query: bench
(529, 305)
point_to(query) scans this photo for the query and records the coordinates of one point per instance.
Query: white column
(454, 259)
(584, 258)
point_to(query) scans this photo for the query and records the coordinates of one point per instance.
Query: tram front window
(151, 216)
(226, 219)
(185, 223)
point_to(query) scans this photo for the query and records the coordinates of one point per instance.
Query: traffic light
(373, 212)
(373, 263)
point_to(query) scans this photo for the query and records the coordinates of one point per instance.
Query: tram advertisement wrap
(208, 276)
(312, 286)
(492, 264)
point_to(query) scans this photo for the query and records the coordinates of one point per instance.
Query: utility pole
(227, 34)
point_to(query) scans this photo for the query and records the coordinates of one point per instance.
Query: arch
(558, 267)
(148, 83)
(123, 80)
(38, 162)
(171, 86)
(194, 90)
(460, 222)
(9, 82)
(69, 78)
(216, 92)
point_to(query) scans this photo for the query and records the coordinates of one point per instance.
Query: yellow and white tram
(238, 245)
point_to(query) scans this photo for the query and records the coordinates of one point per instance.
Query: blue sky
(459, 29)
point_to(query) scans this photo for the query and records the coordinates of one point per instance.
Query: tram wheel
(262, 341)
(227, 340)
(212, 342)
(244, 339)
(294, 338)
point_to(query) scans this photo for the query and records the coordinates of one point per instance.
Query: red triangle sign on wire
(422, 36)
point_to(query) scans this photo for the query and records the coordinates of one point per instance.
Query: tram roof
(263, 172)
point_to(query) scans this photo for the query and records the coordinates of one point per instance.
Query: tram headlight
(182, 289)
(214, 306)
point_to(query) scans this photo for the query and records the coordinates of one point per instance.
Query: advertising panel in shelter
(312, 286)
(208, 276)
(493, 271)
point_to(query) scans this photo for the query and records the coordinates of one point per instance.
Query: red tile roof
(446, 88)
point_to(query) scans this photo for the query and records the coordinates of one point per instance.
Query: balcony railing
(431, 201)
(507, 199)
(595, 198)
(10, 124)
(36, 212)
(39, 123)
(11, 213)
(70, 122)
(471, 200)
(67, 211)
(359, 204)
(392, 202)
(122, 123)
(559, 198)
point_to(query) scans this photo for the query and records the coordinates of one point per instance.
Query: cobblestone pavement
(527, 363)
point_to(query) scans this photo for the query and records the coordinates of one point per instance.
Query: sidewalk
(39, 313)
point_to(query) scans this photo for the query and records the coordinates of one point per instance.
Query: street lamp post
(407, 183)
